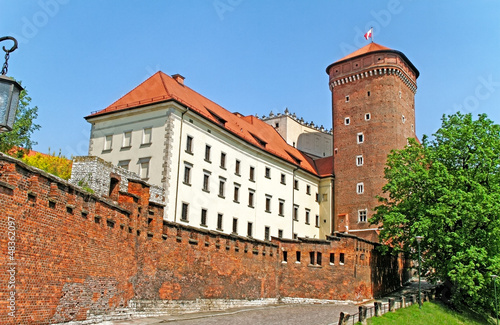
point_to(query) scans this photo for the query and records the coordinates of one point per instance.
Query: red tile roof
(161, 87)
(372, 47)
(324, 166)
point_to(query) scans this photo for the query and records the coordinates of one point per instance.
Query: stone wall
(85, 258)
(94, 172)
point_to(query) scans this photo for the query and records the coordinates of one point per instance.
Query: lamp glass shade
(9, 99)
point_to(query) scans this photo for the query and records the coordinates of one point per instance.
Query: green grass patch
(431, 313)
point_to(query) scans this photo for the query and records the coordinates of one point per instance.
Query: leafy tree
(448, 190)
(24, 126)
(56, 165)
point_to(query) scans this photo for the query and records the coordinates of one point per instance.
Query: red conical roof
(372, 47)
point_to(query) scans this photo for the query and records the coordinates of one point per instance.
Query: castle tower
(373, 112)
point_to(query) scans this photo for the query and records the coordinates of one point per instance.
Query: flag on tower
(369, 34)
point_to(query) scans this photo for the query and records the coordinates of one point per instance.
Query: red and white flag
(369, 33)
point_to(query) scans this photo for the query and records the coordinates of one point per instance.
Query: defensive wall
(70, 256)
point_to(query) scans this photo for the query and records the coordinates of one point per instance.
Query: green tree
(59, 165)
(448, 190)
(23, 127)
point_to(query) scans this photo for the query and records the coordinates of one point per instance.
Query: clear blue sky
(249, 56)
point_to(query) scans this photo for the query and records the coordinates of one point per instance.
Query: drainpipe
(293, 198)
(179, 165)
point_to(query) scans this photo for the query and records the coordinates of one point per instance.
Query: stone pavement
(286, 314)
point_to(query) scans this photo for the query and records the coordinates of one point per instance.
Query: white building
(220, 170)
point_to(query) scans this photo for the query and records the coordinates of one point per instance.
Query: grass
(431, 313)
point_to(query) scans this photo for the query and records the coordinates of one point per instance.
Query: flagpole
(372, 33)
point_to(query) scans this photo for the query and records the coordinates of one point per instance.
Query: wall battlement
(87, 258)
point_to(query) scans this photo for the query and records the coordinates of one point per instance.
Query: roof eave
(401, 54)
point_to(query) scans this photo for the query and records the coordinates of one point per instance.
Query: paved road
(320, 314)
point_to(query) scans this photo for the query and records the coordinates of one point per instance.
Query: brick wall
(80, 256)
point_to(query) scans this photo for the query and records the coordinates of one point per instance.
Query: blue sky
(76, 57)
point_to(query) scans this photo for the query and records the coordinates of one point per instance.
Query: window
(187, 174)
(236, 193)
(367, 116)
(219, 221)
(251, 198)
(206, 179)
(368, 94)
(347, 121)
(359, 160)
(347, 98)
(317, 197)
(207, 153)
(296, 212)
(317, 221)
(283, 179)
(297, 256)
(360, 138)
(295, 236)
(280, 233)
(362, 215)
(308, 212)
(267, 232)
(332, 258)
(223, 160)
(235, 226)
(285, 256)
(403, 118)
(127, 139)
(277, 124)
(108, 142)
(144, 168)
(360, 188)
(203, 217)
(184, 212)
(125, 164)
(311, 258)
(268, 203)
(189, 144)
(341, 259)
(412, 127)
(222, 184)
(296, 184)
(249, 229)
(318, 258)
(268, 172)
(147, 135)
(252, 174)
(308, 189)
(237, 167)
(281, 207)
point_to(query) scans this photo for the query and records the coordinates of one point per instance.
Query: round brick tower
(373, 112)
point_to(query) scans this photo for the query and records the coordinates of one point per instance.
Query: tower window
(362, 215)
(360, 188)
(412, 127)
(347, 121)
(359, 160)
(347, 98)
(367, 117)
(361, 138)
(403, 118)
(368, 94)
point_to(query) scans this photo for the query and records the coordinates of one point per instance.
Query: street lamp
(419, 239)
(9, 92)
(494, 277)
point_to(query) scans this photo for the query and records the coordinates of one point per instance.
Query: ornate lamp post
(494, 277)
(9, 92)
(419, 239)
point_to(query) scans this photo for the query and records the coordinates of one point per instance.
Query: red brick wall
(389, 99)
(78, 255)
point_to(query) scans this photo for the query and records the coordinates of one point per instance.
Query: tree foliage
(448, 190)
(59, 165)
(23, 128)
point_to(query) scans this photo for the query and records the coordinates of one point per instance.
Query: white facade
(152, 141)
(307, 137)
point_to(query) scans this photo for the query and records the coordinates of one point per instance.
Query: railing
(379, 308)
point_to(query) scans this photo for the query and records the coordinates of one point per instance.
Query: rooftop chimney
(178, 78)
